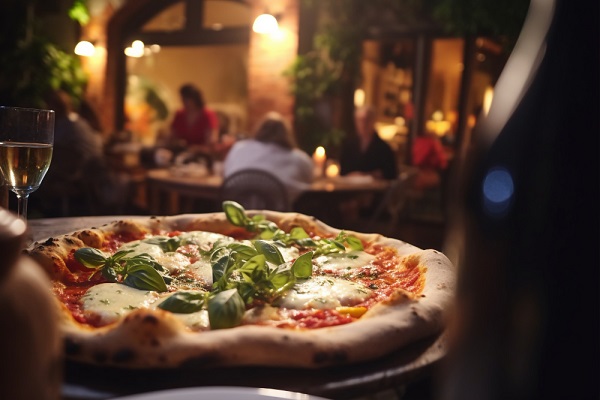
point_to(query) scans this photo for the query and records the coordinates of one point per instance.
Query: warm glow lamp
(265, 24)
(85, 49)
(136, 50)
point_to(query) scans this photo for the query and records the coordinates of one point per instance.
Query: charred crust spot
(162, 359)
(150, 319)
(49, 241)
(69, 240)
(100, 357)
(285, 338)
(416, 314)
(124, 356)
(72, 348)
(422, 295)
(154, 342)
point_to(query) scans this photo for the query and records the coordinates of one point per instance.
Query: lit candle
(319, 158)
(332, 170)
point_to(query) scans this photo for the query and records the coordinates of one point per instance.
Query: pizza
(240, 288)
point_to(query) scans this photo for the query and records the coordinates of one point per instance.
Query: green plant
(332, 69)
(31, 65)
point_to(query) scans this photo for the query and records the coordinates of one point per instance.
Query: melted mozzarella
(204, 240)
(111, 301)
(324, 292)
(173, 261)
(195, 321)
(139, 247)
(349, 260)
(288, 253)
(201, 270)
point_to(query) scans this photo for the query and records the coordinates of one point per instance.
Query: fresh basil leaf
(258, 218)
(269, 225)
(219, 268)
(183, 302)
(144, 277)
(90, 257)
(282, 278)
(266, 235)
(167, 244)
(226, 309)
(235, 213)
(119, 255)
(145, 259)
(298, 233)
(302, 267)
(242, 252)
(338, 245)
(254, 269)
(109, 273)
(247, 291)
(354, 243)
(270, 251)
(306, 243)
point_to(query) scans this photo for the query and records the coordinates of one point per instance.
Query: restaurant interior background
(417, 74)
(407, 64)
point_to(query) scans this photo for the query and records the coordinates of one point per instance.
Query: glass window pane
(443, 87)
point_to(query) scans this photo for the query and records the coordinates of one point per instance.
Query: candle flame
(320, 152)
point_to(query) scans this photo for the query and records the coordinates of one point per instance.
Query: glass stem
(22, 205)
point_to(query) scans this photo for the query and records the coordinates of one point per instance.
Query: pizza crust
(155, 338)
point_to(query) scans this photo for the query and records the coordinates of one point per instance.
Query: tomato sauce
(385, 275)
(313, 319)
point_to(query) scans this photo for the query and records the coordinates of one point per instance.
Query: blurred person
(78, 173)
(367, 153)
(195, 125)
(273, 149)
(429, 156)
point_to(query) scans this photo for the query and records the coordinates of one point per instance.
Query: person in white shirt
(273, 149)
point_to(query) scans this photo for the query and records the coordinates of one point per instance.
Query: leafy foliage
(335, 61)
(79, 12)
(31, 65)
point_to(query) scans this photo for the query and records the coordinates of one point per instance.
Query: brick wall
(268, 89)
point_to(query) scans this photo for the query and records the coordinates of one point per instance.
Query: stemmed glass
(26, 141)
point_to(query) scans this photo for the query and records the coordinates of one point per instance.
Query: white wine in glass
(26, 142)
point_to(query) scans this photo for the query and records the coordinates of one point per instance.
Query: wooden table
(394, 371)
(167, 191)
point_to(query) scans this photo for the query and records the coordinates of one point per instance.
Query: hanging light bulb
(265, 24)
(136, 50)
(85, 49)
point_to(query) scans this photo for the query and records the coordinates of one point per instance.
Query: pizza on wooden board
(241, 288)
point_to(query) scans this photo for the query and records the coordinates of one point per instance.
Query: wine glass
(26, 141)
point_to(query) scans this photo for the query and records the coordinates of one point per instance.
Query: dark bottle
(527, 302)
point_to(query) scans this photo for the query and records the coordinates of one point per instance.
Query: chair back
(255, 189)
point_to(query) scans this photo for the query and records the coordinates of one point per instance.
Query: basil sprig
(258, 272)
(236, 214)
(184, 302)
(140, 271)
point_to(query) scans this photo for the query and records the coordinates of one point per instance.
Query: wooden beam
(194, 38)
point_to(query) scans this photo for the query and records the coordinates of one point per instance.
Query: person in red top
(196, 125)
(428, 154)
